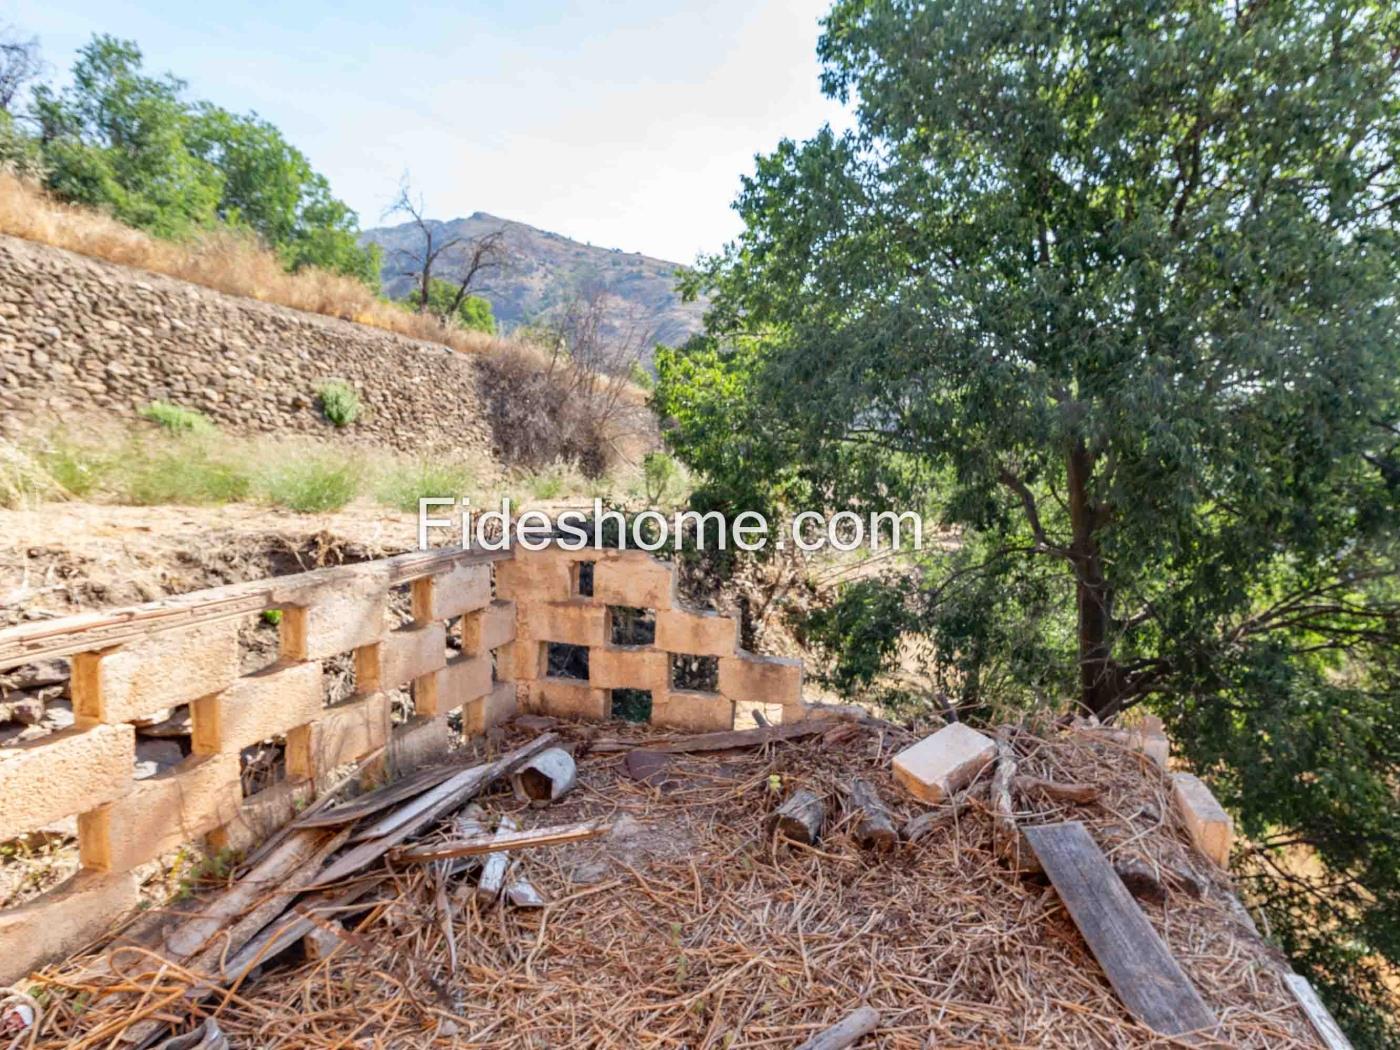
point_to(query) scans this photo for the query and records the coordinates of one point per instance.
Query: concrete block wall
(191, 656)
(131, 664)
(554, 604)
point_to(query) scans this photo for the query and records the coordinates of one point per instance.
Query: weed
(177, 419)
(183, 472)
(272, 617)
(401, 486)
(339, 402)
(310, 485)
(77, 469)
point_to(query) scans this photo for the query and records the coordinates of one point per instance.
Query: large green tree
(1112, 285)
(121, 139)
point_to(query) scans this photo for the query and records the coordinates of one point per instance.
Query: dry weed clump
(224, 260)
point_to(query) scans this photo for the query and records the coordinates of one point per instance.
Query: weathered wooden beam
(504, 840)
(1138, 964)
(87, 632)
(846, 1032)
(1318, 1015)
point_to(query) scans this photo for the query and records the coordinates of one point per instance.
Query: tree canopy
(446, 302)
(121, 139)
(1112, 288)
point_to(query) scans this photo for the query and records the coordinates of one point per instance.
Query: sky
(623, 123)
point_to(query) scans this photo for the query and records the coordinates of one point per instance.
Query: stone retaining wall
(477, 646)
(84, 338)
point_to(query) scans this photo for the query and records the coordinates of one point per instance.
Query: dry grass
(222, 260)
(690, 927)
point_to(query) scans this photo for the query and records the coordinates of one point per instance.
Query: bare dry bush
(224, 260)
(572, 399)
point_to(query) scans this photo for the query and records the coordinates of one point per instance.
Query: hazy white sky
(626, 124)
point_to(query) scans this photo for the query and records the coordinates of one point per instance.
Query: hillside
(545, 268)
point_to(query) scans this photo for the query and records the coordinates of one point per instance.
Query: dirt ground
(690, 925)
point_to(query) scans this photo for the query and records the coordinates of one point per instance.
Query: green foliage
(310, 484)
(660, 475)
(19, 154)
(122, 140)
(80, 469)
(402, 486)
(339, 402)
(272, 617)
(447, 305)
(187, 471)
(637, 373)
(1118, 283)
(176, 419)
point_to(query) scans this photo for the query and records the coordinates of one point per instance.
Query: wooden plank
(1141, 969)
(437, 803)
(724, 740)
(379, 799)
(1318, 1015)
(87, 632)
(504, 840)
(846, 1032)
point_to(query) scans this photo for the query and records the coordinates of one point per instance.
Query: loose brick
(567, 699)
(499, 705)
(944, 763)
(615, 667)
(63, 920)
(572, 622)
(465, 589)
(161, 813)
(410, 653)
(169, 668)
(696, 633)
(343, 613)
(341, 734)
(488, 628)
(256, 707)
(690, 710)
(769, 679)
(262, 814)
(1210, 826)
(62, 774)
(634, 579)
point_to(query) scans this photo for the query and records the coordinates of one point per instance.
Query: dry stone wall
(80, 337)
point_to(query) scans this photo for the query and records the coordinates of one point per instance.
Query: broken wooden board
(723, 740)
(1138, 964)
(1318, 1015)
(503, 840)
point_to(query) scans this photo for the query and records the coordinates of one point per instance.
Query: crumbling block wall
(505, 609)
(555, 605)
(129, 664)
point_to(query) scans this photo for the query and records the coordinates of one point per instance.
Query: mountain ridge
(543, 270)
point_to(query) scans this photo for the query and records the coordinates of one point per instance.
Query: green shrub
(23, 480)
(310, 485)
(78, 469)
(401, 486)
(659, 475)
(272, 617)
(339, 402)
(184, 472)
(176, 419)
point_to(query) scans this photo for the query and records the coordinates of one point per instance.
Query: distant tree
(270, 187)
(20, 64)
(117, 139)
(472, 312)
(435, 248)
(120, 139)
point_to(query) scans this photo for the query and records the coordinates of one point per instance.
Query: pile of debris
(803, 884)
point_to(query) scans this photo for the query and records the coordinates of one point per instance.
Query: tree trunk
(1098, 672)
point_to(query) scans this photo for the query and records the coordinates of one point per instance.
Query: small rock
(155, 756)
(29, 710)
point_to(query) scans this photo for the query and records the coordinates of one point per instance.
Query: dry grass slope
(222, 260)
